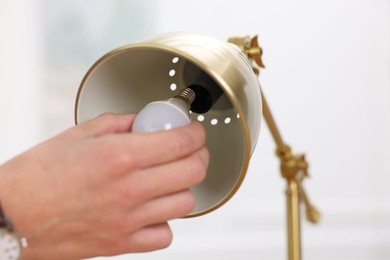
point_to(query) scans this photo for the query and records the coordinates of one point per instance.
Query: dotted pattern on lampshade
(201, 118)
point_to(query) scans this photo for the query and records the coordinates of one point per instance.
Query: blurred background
(327, 80)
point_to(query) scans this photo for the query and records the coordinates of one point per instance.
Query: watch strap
(3, 219)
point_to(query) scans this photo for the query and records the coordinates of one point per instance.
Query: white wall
(327, 81)
(20, 52)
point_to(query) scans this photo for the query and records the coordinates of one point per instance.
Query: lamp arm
(293, 167)
(272, 124)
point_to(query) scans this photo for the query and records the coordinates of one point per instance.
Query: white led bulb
(165, 115)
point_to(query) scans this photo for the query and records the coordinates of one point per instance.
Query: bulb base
(187, 95)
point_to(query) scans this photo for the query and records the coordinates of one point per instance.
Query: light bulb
(165, 115)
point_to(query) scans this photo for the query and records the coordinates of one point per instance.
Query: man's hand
(98, 190)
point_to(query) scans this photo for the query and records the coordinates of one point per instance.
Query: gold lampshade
(128, 78)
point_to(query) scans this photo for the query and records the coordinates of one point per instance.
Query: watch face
(9, 246)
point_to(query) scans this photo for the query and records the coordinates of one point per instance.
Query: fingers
(142, 185)
(142, 225)
(148, 239)
(121, 149)
(161, 209)
(104, 124)
(145, 150)
(145, 228)
(158, 210)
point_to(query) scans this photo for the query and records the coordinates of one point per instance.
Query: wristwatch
(11, 243)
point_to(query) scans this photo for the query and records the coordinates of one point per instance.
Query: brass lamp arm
(293, 167)
(280, 146)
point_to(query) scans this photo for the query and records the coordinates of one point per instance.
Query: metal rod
(292, 189)
(271, 124)
(293, 220)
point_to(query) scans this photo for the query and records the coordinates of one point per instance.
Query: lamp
(227, 100)
(128, 78)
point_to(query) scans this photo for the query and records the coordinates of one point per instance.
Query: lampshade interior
(129, 79)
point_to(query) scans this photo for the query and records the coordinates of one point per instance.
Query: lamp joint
(295, 168)
(251, 49)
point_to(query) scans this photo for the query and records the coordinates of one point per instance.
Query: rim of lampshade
(232, 98)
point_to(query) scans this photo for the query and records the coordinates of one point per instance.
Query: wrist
(10, 239)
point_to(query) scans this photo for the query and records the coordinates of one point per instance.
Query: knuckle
(126, 194)
(117, 156)
(122, 159)
(120, 225)
(131, 195)
(105, 116)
